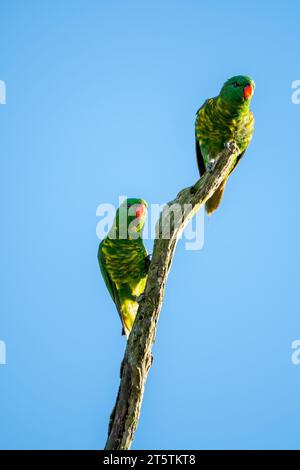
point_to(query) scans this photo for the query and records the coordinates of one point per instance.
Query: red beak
(139, 211)
(248, 91)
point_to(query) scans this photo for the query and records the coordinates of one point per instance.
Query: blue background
(101, 101)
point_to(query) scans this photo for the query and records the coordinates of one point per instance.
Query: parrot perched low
(124, 261)
(221, 120)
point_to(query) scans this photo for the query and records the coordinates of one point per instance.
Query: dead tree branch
(138, 357)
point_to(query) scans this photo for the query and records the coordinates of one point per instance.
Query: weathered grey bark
(138, 357)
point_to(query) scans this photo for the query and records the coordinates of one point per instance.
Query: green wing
(111, 286)
(108, 281)
(200, 159)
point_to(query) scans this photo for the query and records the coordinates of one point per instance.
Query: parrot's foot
(232, 146)
(210, 166)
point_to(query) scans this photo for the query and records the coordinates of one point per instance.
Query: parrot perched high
(221, 120)
(124, 261)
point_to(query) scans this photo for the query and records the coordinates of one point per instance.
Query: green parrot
(221, 120)
(124, 261)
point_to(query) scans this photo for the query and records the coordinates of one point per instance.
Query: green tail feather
(213, 203)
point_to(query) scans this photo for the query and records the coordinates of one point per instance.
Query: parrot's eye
(235, 84)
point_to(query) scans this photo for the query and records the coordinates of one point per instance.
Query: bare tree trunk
(138, 357)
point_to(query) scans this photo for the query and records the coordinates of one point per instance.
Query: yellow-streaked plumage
(124, 266)
(221, 120)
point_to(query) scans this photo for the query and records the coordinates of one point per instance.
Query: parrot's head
(238, 91)
(131, 217)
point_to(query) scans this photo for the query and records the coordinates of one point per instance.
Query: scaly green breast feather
(215, 126)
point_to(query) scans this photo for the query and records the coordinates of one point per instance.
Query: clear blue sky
(101, 100)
